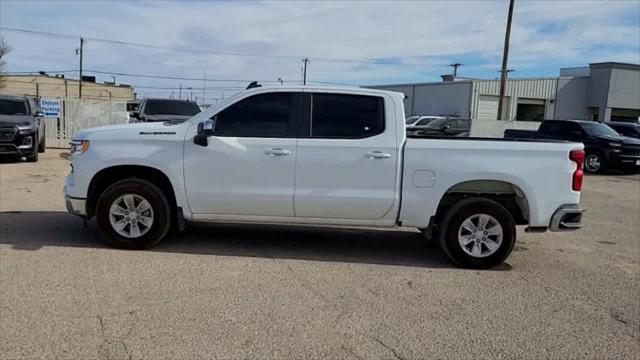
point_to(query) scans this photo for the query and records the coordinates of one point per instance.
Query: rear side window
(346, 116)
(262, 115)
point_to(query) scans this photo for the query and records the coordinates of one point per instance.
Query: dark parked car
(164, 110)
(604, 147)
(626, 129)
(21, 127)
(443, 127)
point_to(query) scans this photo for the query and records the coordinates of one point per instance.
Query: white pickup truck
(321, 156)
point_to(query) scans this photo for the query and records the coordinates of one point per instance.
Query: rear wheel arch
(507, 194)
(108, 176)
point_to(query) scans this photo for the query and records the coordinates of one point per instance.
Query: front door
(248, 166)
(346, 162)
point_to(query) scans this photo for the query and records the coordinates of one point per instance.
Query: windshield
(599, 129)
(12, 107)
(171, 107)
(411, 120)
(437, 123)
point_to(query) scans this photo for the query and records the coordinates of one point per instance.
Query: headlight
(26, 127)
(615, 144)
(78, 147)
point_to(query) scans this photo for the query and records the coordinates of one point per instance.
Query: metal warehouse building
(602, 91)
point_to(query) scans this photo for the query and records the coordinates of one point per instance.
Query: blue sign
(50, 107)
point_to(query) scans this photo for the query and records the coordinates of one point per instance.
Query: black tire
(452, 222)
(42, 144)
(159, 204)
(593, 169)
(33, 157)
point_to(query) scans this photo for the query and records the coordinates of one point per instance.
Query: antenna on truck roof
(253, 84)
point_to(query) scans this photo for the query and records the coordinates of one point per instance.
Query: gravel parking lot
(237, 291)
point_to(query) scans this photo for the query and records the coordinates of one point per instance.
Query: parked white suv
(321, 156)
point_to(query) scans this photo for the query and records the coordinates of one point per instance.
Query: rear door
(347, 158)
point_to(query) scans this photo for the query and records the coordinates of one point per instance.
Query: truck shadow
(35, 230)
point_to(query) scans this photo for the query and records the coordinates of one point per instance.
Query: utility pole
(455, 67)
(80, 81)
(204, 85)
(505, 57)
(38, 91)
(180, 92)
(304, 77)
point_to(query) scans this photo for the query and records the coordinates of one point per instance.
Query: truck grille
(631, 150)
(8, 149)
(7, 134)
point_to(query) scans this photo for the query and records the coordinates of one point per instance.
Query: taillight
(578, 157)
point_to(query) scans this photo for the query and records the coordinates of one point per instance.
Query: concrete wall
(571, 99)
(599, 81)
(624, 89)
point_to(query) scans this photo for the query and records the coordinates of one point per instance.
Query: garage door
(488, 107)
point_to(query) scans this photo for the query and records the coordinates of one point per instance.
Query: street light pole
(505, 57)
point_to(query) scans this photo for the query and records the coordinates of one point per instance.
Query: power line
(85, 84)
(198, 51)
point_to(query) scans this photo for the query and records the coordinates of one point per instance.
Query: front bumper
(20, 143)
(75, 206)
(566, 218)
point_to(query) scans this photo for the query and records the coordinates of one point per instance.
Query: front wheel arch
(108, 176)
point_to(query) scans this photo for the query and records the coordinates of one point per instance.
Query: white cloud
(545, 35)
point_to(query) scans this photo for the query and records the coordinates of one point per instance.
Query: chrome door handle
(377, 155)
(277, 152)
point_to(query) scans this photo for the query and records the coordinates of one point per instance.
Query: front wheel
(42, 144)
(477, 233)
(594, 162)
(133, 214)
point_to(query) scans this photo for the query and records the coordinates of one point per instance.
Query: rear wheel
(477, 233)
(594, 162)
(133, 214)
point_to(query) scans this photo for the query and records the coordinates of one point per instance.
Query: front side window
(346, 116)
(262, 115)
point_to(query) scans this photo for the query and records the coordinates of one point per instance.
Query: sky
(349, 42)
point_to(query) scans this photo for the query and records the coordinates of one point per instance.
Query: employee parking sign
(50, 107)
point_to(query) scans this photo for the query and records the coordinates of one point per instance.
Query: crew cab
(22, 127)
(604, 147)
(325, 157)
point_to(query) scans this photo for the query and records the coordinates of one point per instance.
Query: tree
(4, 51)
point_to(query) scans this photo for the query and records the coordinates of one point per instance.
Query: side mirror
(135, 114)
(205, 129)
(445, 127)
(39, 114)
